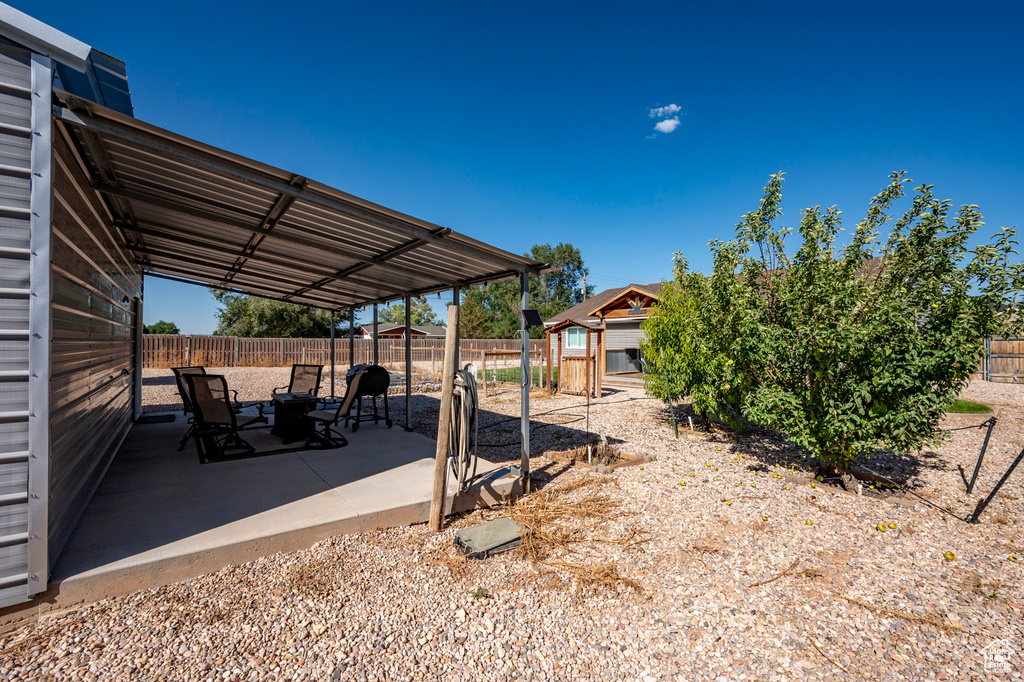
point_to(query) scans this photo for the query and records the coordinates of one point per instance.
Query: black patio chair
(326, 420)
(305, 379)
(374, 385)
(186, 399)
(216, 426)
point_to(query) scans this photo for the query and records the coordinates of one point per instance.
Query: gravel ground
(743, 591)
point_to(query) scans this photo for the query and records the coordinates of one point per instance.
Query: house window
(576, 338)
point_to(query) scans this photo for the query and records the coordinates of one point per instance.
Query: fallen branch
(941, 624)
(771, 580)
(822, 653)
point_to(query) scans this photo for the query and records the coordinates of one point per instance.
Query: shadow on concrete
(159, 515)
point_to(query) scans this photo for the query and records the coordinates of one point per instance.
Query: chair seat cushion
(321, 415)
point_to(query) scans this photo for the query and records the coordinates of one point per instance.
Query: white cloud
(668, 125)
(665, 112)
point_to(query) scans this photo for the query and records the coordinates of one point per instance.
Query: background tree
(421, 313)
(474, 322)
(497, 305)
(255, 317)
(847, 351)
(161, 327)
(678, 342)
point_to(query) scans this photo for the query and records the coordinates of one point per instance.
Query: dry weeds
(316, 578)
(575, 519)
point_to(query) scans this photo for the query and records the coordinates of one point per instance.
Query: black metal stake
(991, 425)
(984, 503)
(668, 395)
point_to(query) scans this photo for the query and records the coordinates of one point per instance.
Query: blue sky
(531, 122)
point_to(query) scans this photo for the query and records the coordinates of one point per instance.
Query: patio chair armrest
(274, 391)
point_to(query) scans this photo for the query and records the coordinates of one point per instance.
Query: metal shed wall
(95, 284)
(15, 268)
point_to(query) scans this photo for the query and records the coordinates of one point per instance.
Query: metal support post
(376, 348)
(524, 380)
(352, 338)
(456, 301)
(332, 355)
(408, 363)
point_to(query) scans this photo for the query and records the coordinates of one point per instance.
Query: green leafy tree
(498, 305)
(421, 313)
(473, 317)
(847, 350)
(681, 357)
(255, 317)
(161, 327)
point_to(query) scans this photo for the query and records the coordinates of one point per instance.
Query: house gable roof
(633, 289)
(564, 324)
(581, 311)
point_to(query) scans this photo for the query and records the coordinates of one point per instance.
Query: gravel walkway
(837, 599)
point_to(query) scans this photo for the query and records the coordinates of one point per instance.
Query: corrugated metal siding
(94, 283)
(622, 335)
(15, 196)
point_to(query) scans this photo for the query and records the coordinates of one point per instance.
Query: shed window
(576, 337)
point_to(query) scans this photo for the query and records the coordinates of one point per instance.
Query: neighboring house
(397, 331)
(613, 318)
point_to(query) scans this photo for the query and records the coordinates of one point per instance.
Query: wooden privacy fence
(173, 350)
(1004, 360)
(577, 375)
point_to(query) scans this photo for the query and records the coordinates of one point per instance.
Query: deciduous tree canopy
(492, 311)
(161, 327)
(254, 317)
(421, 313)
(846, 350)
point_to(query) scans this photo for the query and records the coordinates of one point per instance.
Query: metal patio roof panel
(194, 212)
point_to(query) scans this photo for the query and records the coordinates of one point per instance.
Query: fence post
(986, 372)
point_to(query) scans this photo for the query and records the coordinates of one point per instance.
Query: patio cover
(193, 213)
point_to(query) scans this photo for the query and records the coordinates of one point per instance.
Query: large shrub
(845, 350)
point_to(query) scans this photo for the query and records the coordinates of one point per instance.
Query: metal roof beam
(377, 260)
(203, 214)
(150, 229)
(251, 289)
(191, 155)
(243, 292)
(214, 264)
(273, 216)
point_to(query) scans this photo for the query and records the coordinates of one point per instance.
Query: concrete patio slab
(160, 516)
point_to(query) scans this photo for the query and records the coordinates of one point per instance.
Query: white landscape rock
(395, 610)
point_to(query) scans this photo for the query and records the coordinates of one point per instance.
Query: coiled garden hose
(462, 441)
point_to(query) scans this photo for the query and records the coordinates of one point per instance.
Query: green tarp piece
(488, 539)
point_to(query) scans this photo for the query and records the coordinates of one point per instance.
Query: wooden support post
(559, 365)
(587, 364)
(547, 343)
(444, 418)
